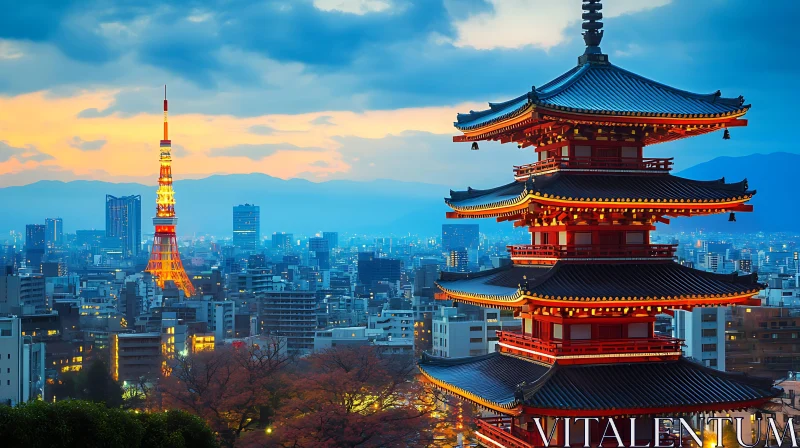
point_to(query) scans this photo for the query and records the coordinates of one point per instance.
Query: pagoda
(589, 285)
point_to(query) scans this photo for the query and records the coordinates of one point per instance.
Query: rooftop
(503, 382)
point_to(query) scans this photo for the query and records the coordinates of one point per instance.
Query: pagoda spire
(593, 32)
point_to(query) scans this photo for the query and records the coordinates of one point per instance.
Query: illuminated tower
(165, 261)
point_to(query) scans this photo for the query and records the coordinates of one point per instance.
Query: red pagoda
(589, 285)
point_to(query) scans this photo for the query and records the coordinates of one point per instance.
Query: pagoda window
(582, 331)
(557, 331)
(565, 151)
(610, 331)
(608, 238)
(527, 326)
(562, 238)
(583, 151)
(638, 330)
(606, 153)
(582, 238)
(634, 238)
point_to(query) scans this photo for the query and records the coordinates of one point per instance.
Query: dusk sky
(352, 89)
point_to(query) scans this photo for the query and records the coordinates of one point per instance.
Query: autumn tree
(353, 397)
(230, 387)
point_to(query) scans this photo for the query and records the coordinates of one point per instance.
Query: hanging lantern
(732, 217)
(475, 146)
(726, 135)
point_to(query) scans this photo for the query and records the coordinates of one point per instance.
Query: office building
(22, 293)
(372, 269)
(34, 246)
(333, 240)
(54, 233)
(703, 332)
(293, 314)
(282, 241)
(460, 333)
(135, 355)
(247, 227)
(319, 253)
(22, 375)
(124, 222)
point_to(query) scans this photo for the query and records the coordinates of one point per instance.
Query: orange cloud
(51, 125)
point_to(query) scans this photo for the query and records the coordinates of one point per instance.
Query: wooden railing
(592, 163)
(658, 344)
(591, 251)
(499, 430)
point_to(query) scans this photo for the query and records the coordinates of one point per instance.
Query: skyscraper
(459, 236)
(124, 221)
(318, 248)
(247, 227)
(282, 240)
(332, 238)
(54, 233)
(34, 246)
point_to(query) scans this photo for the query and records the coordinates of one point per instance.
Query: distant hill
(774, 176)
(381, 206)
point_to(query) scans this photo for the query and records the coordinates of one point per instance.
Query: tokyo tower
(165, 261)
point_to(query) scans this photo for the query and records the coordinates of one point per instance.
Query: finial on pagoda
(593, 32)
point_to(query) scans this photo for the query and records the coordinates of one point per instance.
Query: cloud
(322, 120)
(320, 164)
(261, 129)
(86, 145)
(93, 112)
(256, 152)
(538, 23)
(9, 51)
(29, 153)
(359, 7)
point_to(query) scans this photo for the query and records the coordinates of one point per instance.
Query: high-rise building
(35, 246)
(333, 240)
(460, 236)
(247, 227)
(165, 259)
(124, 222)
(22, 376)
(590, 284)
(282, 241)
(54, 233)
(319, 250)
(458, 260)
(372, 269)
(291, 314)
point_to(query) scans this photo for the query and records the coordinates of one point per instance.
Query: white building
(703, 330)
(395, 324)
(21, 364)
(218, 314)
(458, 335)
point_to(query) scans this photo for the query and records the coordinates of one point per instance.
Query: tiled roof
(602, 188)
(650, 281)
(506, 380)
(605, 89)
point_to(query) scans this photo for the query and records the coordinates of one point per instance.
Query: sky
(352, 89)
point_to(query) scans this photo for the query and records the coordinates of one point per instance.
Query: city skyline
(242, 114)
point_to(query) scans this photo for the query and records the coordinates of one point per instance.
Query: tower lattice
(165, 260)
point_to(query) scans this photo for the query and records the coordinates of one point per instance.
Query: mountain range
(379, 207)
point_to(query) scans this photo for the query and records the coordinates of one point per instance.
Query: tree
(93, 384)
(231, 387)
(73, 423)
(353, 397)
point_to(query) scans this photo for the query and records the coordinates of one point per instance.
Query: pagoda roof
(602, 88)
(505, 382)
(591, 188)
(658, 281)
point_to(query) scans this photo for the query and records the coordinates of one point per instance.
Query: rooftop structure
(589, 285)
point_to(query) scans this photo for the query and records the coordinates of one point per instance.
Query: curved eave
(511, 206)
(732, 406)
(512, 409)
(742, 298)
(532, 113)
(509, 302)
